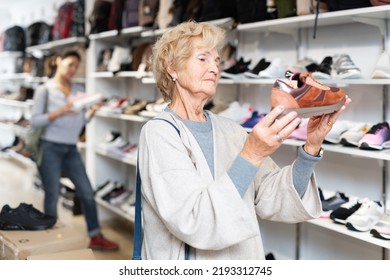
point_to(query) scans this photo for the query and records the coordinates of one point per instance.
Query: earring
(174, 79)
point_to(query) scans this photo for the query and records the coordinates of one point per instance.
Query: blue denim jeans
(65, 160)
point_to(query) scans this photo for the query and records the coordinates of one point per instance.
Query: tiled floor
(16, 186)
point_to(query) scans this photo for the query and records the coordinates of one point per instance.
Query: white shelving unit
(363, 34)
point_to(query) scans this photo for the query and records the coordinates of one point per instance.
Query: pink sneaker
(300, 133)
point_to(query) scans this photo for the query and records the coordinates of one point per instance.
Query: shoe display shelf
(290, 39)
(13, 111)
(101, 164)
(364, 34)
(56, 46)
(8, 60)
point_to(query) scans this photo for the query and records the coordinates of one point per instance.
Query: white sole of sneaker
(339, 221)
(368, 146)
(352, 74)
(236, 77)
(378, 74)
(251, 75)
(380, 235)
(368, 227)
(347, 142)
(320, 76)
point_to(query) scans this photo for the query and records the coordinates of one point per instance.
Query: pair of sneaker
(347, 133)
(25, 217)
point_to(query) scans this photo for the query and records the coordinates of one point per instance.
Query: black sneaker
(235, 70)
(312, 67)
(324, 70)
(334, 202)
(260, 66)
(24, 217)
(340, 215)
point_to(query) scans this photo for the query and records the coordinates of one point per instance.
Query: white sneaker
(382, 228)
(107, 189)
(369, 213)
(345, 68)
(382, 68)
(275, 70)
(153, 109)
(237, 112)
(84, 100)
(119, 55)
(338, 128)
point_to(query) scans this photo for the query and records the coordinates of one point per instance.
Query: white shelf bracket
(293, 32)
(380, 23)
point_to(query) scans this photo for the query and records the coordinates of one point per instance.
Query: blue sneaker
(253, 120)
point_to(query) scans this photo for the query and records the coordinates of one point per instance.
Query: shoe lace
(316, 18)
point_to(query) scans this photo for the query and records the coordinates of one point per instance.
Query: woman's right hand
(268, 135)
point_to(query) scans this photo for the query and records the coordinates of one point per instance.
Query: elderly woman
(205, 180)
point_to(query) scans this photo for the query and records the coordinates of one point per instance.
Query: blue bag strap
(137, 246)
(138, 219)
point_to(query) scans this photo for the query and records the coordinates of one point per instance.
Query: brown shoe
(98, 242)
(136, 107)
(308, 98)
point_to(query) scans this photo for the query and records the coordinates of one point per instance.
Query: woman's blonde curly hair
(175, 47)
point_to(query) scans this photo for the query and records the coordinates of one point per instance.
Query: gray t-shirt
(65, 129)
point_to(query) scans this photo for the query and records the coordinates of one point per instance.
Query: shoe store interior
(342, 44)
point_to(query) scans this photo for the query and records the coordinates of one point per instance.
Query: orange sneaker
(306, 96)
(98, 242)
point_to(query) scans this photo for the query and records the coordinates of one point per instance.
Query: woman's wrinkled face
(67, 67)
(200, 73)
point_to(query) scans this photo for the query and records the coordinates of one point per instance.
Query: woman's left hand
(319, 126)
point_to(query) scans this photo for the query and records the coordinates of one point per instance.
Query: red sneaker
(98, 242)
(308, 97)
